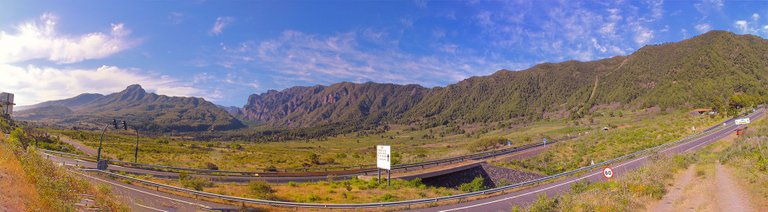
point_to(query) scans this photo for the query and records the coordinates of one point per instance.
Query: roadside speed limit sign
(608, 173)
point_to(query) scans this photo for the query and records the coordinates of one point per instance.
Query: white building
(6, 102)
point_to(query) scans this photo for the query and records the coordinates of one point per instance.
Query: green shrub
(261, 190)
(388, 198)
(477, 184)
(196, 183)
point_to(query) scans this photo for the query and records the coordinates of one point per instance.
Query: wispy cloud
(569, 30)
(703, 27)
(220, 24)
(39, 40)
(176, 17)
(301, 58)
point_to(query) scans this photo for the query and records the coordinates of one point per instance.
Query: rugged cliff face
(341, 102)
(704, 71)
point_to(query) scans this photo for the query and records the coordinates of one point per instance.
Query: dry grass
(18, 191)
(57, 189)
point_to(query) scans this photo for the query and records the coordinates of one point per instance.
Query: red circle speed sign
(608, 173)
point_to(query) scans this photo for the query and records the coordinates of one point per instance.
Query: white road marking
(151, 208)
(144, 192)
(540, 190)
(565, 183)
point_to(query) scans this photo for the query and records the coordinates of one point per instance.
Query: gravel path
(676, 192)
(730, 196)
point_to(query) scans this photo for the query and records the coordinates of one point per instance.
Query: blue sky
(224, 51)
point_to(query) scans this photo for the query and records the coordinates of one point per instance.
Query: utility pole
(136, 151)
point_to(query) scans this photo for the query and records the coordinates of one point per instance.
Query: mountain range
(148, 111)
(708, 70)
(704, 71)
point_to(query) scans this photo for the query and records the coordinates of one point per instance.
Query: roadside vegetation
(642, 187)
(329, 191)
(353, 149)
(626, 193)
(56, 189)
(614, 141)
(748, 157)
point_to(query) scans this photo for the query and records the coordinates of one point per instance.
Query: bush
(314, 158)
(388, 198)
(261, 190)
(20, 138)
(211, 166)
(477, 184)
(196, 183)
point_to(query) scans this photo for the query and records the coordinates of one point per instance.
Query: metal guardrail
(417, 201)
(361, 169)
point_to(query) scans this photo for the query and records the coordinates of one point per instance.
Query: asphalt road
(143, 199)
(523, 197)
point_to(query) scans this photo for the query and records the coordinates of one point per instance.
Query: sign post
(384, 161)
(742, 121)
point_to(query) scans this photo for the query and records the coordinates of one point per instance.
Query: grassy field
(350, 149)
(353, 149)
(645, 132)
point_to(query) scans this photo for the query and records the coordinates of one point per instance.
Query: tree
(314, 158)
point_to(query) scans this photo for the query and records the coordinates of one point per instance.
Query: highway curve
(523, 197)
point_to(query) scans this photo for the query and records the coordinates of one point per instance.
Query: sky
(225, 51)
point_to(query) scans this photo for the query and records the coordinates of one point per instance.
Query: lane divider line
(151, 208)
(144, 192)
(581, 178)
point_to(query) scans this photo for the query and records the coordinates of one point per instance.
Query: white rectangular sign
(742, 121)
(383, 157)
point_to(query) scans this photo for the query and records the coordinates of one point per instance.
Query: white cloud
(40, 40)
(34, 84)
(643, 35)
(703, 27)
(755, 17)
(220, 24)
(743, 26)
(598, 46)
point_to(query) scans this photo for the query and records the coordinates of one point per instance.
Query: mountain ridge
(149, 111)
(669, 75)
